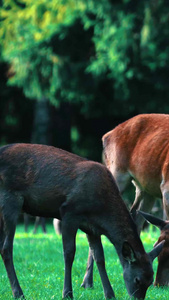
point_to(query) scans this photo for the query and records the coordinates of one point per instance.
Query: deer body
(139, 149)
(49, 182)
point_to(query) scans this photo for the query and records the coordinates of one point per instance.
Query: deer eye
(137, 280)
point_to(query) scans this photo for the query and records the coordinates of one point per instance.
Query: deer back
(140, 146)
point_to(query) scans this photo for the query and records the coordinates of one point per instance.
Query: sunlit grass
(40, 268)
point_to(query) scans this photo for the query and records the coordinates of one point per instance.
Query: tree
(107, 59)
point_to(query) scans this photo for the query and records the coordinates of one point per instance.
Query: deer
(39, 221)
(137, 150)
(57, 225)
(163, 259)
(50, 182)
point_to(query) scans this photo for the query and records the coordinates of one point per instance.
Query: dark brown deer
(49, 182)
(163, 258)
(139, 149)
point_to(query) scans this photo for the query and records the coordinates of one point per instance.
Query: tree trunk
(40, 135)
(41, 124)
(61, 126)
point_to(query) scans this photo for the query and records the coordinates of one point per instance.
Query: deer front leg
(9, 208)
(88, 278)
(98, 254)
(143, 202)
(7, 257)
(69, 230)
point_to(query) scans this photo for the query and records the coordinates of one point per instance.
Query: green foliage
(109, 59)
(24, 35)
(37, 78)
(63, 49)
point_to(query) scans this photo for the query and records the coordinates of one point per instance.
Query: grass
(39, 265)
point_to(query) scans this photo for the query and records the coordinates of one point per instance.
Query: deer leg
(26, 221)
(37, 222)
(96, 249)
(144, 202)
(57, 224)
(43, 223)
(139, 195)
(9, 210)
(122, 178)
(2, 234)
(69, 230)
(88, 278)
(165, 193)
(40, 221)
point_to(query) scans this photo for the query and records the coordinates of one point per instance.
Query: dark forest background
(72, 70)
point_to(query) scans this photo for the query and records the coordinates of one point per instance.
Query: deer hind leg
(26, 221)
(144, 202)
(70, 224)
(97, 252)
(10, 206)
(36, 224)
(40, 221)
(43, 224)
(88, 278)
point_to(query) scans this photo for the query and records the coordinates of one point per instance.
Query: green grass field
(39, 265)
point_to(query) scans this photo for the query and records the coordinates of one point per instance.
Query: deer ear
(128, 252)
(153, 220)
(156, 251)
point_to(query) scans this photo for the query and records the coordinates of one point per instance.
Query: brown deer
(139, 149)
(163, 259)
(50, 182)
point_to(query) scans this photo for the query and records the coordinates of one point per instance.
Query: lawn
(39, 265)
